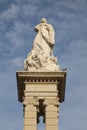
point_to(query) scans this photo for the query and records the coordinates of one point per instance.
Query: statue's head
(43, 20)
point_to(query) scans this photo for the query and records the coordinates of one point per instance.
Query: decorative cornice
(58, 78)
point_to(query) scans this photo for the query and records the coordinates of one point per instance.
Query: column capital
(33, 101)
(53, 101)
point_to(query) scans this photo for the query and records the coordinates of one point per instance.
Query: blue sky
(17, 21)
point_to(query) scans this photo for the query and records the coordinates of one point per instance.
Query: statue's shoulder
(50, 27)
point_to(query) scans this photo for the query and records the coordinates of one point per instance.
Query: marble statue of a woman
(41, 56)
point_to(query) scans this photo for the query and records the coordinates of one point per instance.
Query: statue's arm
(51, 34)
(37, 28)
(50, 38)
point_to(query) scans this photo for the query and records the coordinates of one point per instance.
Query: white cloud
(10, 13)
(14, 29)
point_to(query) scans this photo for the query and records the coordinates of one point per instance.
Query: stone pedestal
(41, 93)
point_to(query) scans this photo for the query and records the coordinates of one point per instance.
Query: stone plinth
(41, 93)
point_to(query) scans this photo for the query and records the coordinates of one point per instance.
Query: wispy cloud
(10, 13)
(17, 62)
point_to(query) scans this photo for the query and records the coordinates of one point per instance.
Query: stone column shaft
(51, 114)
(30, 114)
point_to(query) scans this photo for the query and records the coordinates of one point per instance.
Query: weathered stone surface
(41, 94)
(41, 57)
(40, 83)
